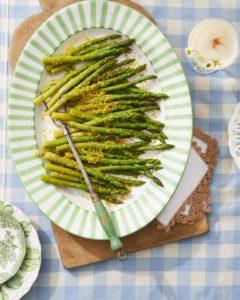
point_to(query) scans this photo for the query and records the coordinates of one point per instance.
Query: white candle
(214, 40)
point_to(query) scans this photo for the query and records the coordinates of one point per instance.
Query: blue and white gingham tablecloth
(207, 267)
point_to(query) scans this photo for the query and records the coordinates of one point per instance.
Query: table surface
(207, 267)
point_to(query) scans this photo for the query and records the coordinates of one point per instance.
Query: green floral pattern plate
(12, 246)
(18, 285)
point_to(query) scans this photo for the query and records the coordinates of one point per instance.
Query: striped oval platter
(68, 208)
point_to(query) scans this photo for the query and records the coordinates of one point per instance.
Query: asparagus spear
(138, 126)
(67, 177)
(121, 168)
(113, 117)
(76, 139)
(110, 161)
(131, 96)
(126, 61)
(104, 154)
(59, 134)
(58, 69)
(69, 59)
(106, 146)
(74, 112)
(111, 131)
(82, 186)
(153, 122)
(139, 91)
(129, 182)
(154, 178)
(110, 109)
(62, 116)
(161, 147)
(126, 85)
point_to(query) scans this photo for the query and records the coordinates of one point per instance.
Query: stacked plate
(20, 253)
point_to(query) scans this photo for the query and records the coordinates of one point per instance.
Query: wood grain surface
(75, 251)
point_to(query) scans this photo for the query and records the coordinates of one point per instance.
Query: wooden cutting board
(75, 251)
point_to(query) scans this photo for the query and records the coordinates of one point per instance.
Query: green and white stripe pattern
(21, 129)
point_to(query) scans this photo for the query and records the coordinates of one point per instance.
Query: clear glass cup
(213, 45)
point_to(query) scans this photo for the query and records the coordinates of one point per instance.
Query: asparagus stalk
(131, 96)
(76, 116)
(111, 131)
(76, 139)
(140, 91)
(69, 59)
(83, 186)
(160, 147)
(80, 114)
(105, 146)
(126, 85)
(126, 61)
(111, 161)
(58, 69)
(105, 154)
(62, 116)
(153, 122)
(120, 168)
(154, 178)
(113, 117)
(129, 182)
(138, 126)
(110, 109)
(59, 133)
(67, 177)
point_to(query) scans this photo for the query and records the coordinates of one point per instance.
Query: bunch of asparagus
(103, 111)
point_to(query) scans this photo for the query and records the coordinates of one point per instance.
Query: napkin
(195, 170)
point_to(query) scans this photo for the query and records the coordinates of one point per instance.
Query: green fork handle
(107, 225)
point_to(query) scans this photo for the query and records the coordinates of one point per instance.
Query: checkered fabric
(207, 267)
